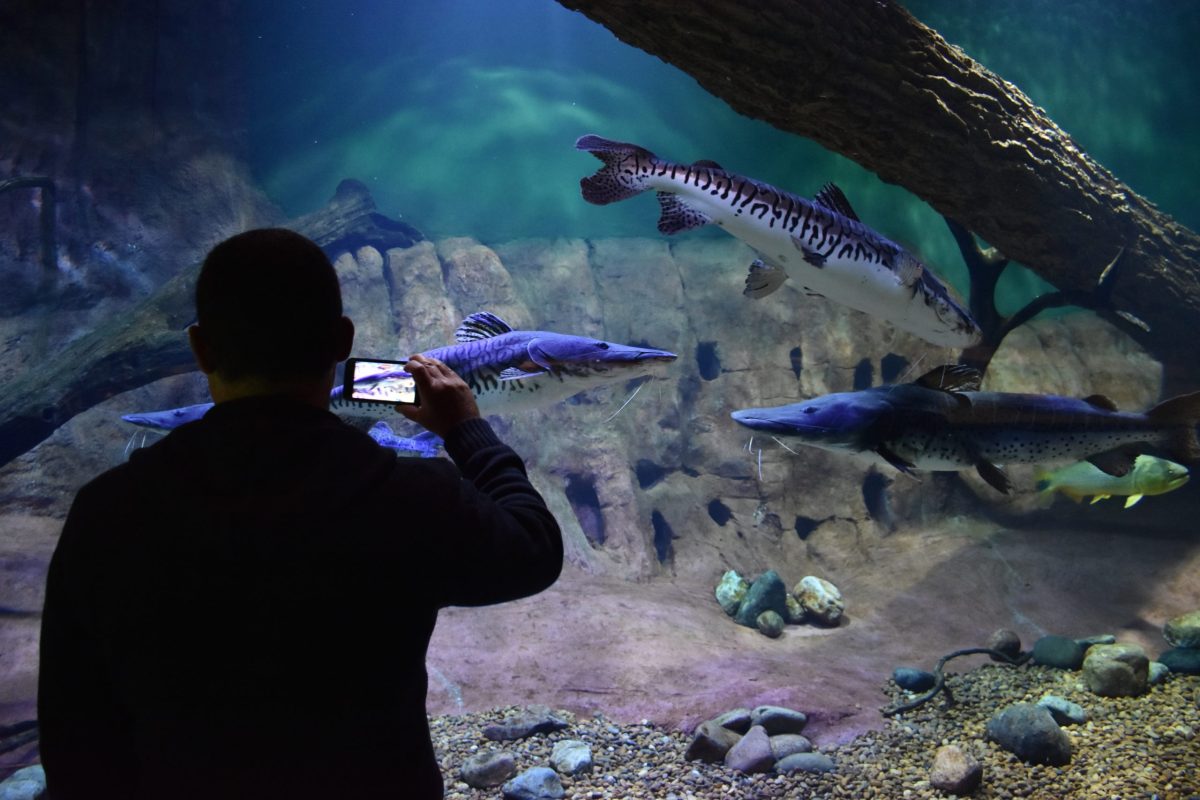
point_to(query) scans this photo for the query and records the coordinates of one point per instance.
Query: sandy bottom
(664, 651)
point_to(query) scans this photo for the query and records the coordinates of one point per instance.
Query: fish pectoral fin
(1132, 500)
(890, 456)
(951, 378)
(994, 476)
(526, 370)
(1113, 462)
(763, 278)
(810, 255)
(678, 215)
(1098, 498)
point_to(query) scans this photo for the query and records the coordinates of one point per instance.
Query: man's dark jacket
(243, 609)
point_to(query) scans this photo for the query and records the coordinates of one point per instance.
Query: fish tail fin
(1181, 414)
(617, 179)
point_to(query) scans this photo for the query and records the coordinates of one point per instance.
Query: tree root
(939, 685)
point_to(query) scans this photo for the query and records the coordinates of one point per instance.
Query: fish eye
(602, 345)
(810, 410)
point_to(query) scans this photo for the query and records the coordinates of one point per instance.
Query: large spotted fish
(941, 422)
(821, 242)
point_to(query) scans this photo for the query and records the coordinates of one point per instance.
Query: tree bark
(867, 80)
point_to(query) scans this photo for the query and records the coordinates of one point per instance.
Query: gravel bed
(1145, 747)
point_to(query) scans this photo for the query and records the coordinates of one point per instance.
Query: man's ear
(344, 338)
(200, 350)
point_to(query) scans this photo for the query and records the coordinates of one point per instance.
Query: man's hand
(446, 400)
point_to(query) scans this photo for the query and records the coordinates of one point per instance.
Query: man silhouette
(243, 609)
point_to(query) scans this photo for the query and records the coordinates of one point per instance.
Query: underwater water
(176, 128)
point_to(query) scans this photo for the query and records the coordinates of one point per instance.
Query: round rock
(1058, 651)
(1005, 641)
(730, 591)
(1116, 670)
(770, 624)
(571, 757)
(767, 593)
(820, 599)
(786, 744)
(538, 783)
(806, 762)
(752, 753)
(913, 680)
(1063, 710)
(1184, 630)
(955, 771)
(1030, 733)
(710, 743)
(776, 720)
(1183, 660)
(485, 770)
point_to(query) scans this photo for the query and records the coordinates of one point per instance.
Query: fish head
(595, 362)
(955, 325)
(169, 419)
(1155, 475)
(833, 421)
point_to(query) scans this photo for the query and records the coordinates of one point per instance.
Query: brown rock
(955, 771)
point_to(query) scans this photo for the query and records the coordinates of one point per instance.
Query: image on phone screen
(379, 382)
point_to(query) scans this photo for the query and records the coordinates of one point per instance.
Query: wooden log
(150, 342)
(865, 79)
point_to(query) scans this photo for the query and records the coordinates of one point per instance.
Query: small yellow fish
(1150, 475)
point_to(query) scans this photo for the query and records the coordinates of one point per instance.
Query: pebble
(752, 753)
(571, 757)
(806, 762)
(730, 591)
(770, 624)
(786, 744)
(1131, 748)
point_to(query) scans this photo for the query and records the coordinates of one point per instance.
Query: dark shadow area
(864, 375)
(707, 360)
(581, 494)
(797, 358)
(805, 526)
(649, 472)
(875, 498)
(892, 367)
(663, 536)
(719, 512)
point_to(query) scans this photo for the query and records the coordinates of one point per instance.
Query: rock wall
(670, 485)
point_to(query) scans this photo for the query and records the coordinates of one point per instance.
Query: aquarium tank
(901, 507)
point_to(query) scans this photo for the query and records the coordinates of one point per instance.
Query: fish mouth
(753, 419)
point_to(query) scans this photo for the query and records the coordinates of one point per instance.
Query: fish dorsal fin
(832, 198)
(951, 378)
(1101, 402)
(704, 162)
(481, 325)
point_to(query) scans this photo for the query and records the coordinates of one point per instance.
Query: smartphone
(370, 380)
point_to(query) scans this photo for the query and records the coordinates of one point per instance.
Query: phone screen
(373, 381)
